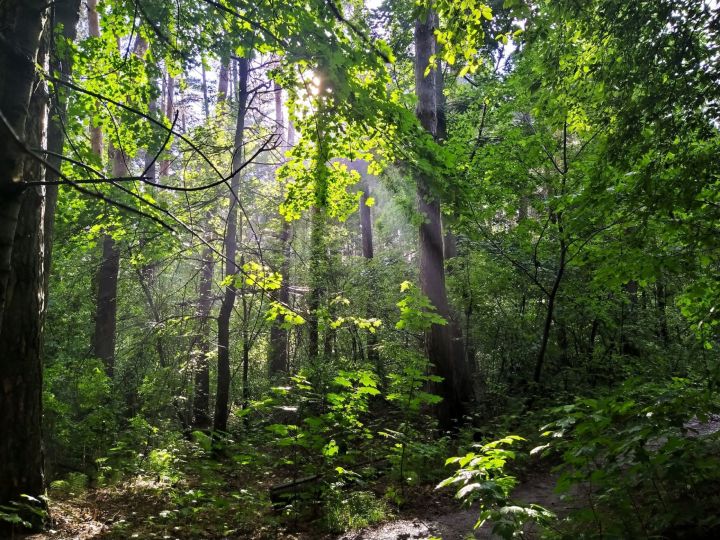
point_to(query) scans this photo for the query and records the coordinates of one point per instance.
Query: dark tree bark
(278, 350)
(23, 102)
(21, 22)
(106, 307)
(67, 14)
(222, 399)
(107, 283)
(432, 272)
(557, 219)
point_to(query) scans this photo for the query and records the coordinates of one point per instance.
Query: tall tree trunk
(661, 292)
(368, 252)
(432, 271)
(318, 268)
(106, 307)
(67, 14)
(552, 297)
(23, 103)
(222, 400)
(278, 350)
(22, 22)
(201, 401)
(107, 282)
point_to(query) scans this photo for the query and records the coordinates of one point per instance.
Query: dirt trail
(458, 525)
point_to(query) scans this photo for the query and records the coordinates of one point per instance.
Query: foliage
(482, 479)
(641, 459)
(353, 510)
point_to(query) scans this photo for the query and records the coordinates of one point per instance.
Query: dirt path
(458, 525)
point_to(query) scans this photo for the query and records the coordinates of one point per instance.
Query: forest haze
(329, 269)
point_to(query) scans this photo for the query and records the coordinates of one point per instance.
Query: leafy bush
(484, 481)
(635, 458)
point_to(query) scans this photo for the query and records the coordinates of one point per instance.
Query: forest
(359, 269)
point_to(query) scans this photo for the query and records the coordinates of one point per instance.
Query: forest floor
(97, 514)
(215, 506)
(100, 512)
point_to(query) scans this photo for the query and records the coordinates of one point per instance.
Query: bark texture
(21, 452)
(21, 23)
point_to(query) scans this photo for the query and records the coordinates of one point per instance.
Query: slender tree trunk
(201, 401)
(317, 259)
(661, 292)
(550, 312)
(278, 350)
(366, 216)
(206, 101)
(432, 271)
(318, 230)
(67, 13)
(23, 102)
(107, 282)
(368, 253)
(222, 401)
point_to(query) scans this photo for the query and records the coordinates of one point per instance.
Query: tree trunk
(22, 22)
(107, 282)
(550, 312)
(106, 308)
(222, 401)
(278, 350)
(317, 256)
(318, 268)
(201, 401)
(661, 292)
(368, 253)
(432, 271)
(67, 13)
(22, 254)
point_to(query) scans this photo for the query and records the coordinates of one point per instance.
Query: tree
(278, 350)
(432, 271)
(230, 242)
(22, 230)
